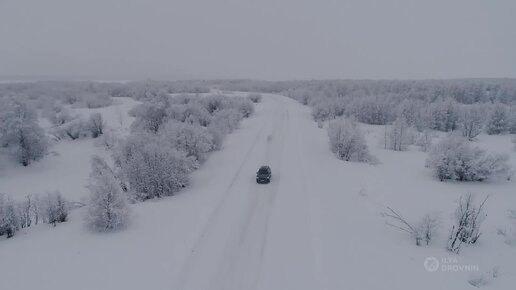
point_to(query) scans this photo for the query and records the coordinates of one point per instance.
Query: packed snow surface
(317, 225)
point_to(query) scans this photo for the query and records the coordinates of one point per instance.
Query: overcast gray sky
(262, 39)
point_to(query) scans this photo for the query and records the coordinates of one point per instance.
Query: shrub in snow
(108, 140)
(148, 117)
(254, 97)
(97, 100)
(423, 231)
(471, 121)
(20, 132)
(73, 130)
(193, 113)
(323, 111)
(152, 168)
(347, 141)
(226, 121)
(194, 140)
(373, 110)
(409, 110)
(58, 115)
(96, 125)
(398, 135)
(9, 219)
(512, 120)
(56, 208)
(424, 140)
(498, 121)
(245, 107)
(469, 218)
(108, 208)
(215, 103)
(443, 115)
(455, 159)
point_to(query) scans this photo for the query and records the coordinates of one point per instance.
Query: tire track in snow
(236, 269)
(247, 264)
(186, 269)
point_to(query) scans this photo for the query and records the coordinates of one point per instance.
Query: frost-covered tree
(410, 109)
(254, 97)
(498, 121)
(245, 107)
(424, 139)
(323, 111)
(347, 141)
(512, 120)
(75, 129)
(226, 121)
(372, 110)
(9, 219)
(455, 159)
(108, 207)
(56, 208)
(443, 115)
(149, 117)
(194, 140)
(471, 121)
(96, 100)
(20, 132)
(96, 125)
(397, 135)
(152, 168)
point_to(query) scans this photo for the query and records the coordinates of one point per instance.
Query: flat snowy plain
(317, 225)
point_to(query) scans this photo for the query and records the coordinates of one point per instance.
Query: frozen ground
(318, 225)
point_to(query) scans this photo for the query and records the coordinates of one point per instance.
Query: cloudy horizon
(270, 40)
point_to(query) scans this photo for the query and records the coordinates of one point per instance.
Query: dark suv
(264, 174)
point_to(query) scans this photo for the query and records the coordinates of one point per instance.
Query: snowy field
(317, 225)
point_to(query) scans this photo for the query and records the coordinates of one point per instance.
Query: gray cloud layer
(265, 39)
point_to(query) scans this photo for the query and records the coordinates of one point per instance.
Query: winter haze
(268, 39)
(257, 145)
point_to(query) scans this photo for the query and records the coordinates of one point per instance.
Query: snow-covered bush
(76, 129)
(151, 167)
(512, 120)
(453, 158)
(108, 207)
(192, 113)
(443, 115)
(469, 218)
(108, 140)
(409, 110)
(57, 114)
(254, 97)
(148, 117)
(498, 121)
(56, 208)
(347, 141)
(423, 231)
(19, 130)
(245, 107)
(225, 121)
(373, 110)
(424, 140)
(97, 100)
(193, 140)
(9, 219)
(398, 135)
(96, 125)
(471, 121)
